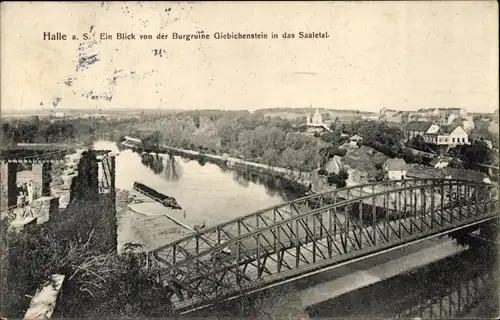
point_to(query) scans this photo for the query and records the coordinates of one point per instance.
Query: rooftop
(447, 129)
(355, 137)
(418, 125)
(437, 160)
(420, 171)
(467, 175)
(395, 164)
(424, 172)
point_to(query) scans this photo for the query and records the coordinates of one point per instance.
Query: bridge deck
(287, 258)
(310, 234)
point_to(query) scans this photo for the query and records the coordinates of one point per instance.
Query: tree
(152, 141)
(456, 163)
(339, 180)
(418, 143)
(474, 154)
(323, 172)
(343, 174)
(380, 176)
(196, 120)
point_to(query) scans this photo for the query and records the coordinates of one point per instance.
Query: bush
(380, 176)
(340, 152)
(98, 283)
(339, 180)
(323, 172)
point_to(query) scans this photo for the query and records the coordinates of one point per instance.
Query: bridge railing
(318, 237)
(452, 185)
(211, 237)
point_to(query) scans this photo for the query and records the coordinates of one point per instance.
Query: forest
(252, 136)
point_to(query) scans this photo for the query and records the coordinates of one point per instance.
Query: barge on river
(157, 196)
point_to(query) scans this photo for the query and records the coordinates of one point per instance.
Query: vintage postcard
(249, 160)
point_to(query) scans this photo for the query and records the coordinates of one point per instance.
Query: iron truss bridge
(307, 235)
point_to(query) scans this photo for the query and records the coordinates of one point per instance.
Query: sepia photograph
(249, 160)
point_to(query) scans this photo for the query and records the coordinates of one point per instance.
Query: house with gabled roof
(355, 139)
(440, 162)
(433, 133)
(456, 135)
(395, 169)
(419, 128)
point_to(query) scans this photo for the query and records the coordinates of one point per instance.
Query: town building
(355, 139)
(439, 113)
(315, 120)
(418, 171)
(440, 162)
(441, 116)
(466, 175)
(465, 122)
(315, 123)
(489, 144)
(493, 127)
(452, 135)
(394, 116)
(395, 169)
(387, 113)
(433, 133)
(419, 128)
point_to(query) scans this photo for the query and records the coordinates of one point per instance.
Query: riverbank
(149, 224)
(143, 222)
(293, 175)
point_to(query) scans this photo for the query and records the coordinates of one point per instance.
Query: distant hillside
(308, 110)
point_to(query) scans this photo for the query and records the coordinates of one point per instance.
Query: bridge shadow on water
(465, 285)
(448, 288)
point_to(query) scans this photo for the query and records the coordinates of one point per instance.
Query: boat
(157, 196)
(199, 227)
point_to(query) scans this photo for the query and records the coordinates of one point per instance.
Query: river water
(211, 195)
(207, 194)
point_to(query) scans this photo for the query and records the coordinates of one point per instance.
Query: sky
(400, 55)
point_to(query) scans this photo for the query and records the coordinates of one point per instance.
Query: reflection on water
(173, 169)
(170, 168)
(153, 162)
(166, 166)
(210, 193)
(274, 185)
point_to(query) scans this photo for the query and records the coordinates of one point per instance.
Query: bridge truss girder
(267, 252)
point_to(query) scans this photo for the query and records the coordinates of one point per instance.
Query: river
(383, 286)
(207, 194)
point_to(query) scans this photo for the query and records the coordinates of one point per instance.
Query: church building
(315, 123)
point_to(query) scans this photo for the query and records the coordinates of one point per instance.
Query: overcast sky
(405, 56)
